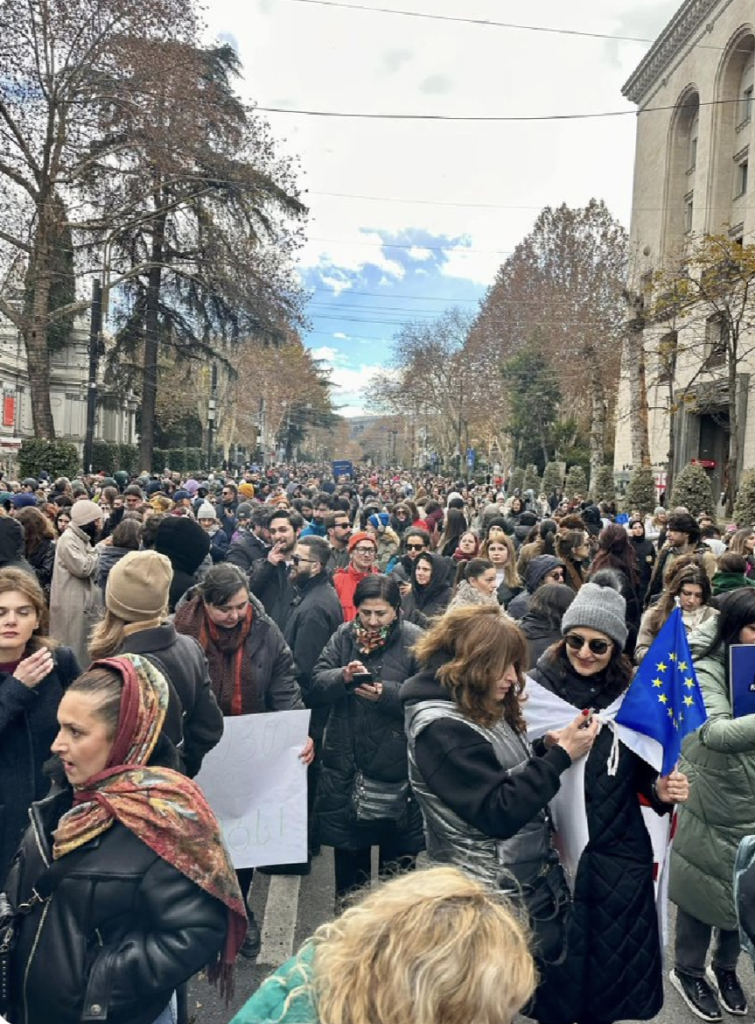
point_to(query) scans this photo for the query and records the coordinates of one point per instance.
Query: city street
(289, 908)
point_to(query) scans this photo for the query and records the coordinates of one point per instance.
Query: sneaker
(726, 984)
(697, 994)
(252, 944)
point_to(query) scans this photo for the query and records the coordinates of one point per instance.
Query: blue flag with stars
(664, 700)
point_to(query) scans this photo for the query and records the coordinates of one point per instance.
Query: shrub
(58, 458)
(553, 479)
(641, 493)
(193, 460)
(128, 458)
(603, 487)
(104, 457)
(576, 482)
(693, 490)
(744, 506)
(516, 480)
(176, 459)
(160, 459)
(532, 479)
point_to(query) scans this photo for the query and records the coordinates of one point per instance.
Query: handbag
(373, 801)
(548, 903)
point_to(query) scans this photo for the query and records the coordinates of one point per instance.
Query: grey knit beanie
(601, 608)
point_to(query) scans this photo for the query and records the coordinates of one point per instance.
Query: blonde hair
(430, 947)
(107, 637)
(510, 573)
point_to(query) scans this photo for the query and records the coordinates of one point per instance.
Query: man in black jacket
(268, 579)
(252, 540)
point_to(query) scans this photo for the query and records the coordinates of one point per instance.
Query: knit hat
(138, 585)
(360, 536)
(24, 501)
(244, 510)
(191, 486)
(206, 511)
(246, 490)
(380, 520)
(600, 608)
(85, 511)
(181, 495)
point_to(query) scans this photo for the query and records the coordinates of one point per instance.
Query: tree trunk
(598, 427)
(39, 278)
(151, 343)
(638, 396)
(733, 459)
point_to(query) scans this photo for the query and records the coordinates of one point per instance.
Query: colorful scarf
(164, 809)
(367, 641)
(225, 649)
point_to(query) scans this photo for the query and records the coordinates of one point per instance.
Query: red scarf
(167, 811)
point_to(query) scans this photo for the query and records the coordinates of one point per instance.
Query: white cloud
(417, 252)
(341, 336)
(329, 355)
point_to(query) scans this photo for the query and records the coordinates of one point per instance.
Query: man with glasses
(226, 509)
(269, 578)
(541, 570)
(362, 555)
(133, 498)
(338, 533)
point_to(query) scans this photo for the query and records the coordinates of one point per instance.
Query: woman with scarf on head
(645, 555)
(251, 667)
(122, 887)
(363, 797)
(430, 591)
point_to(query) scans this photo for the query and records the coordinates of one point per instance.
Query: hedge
(58, 458)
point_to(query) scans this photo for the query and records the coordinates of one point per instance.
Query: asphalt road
(289, 908)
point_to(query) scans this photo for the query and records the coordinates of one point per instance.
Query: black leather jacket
(120, 930)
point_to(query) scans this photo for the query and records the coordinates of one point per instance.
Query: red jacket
(345, 581)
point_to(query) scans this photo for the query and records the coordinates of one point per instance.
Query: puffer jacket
(286, 997)
(363, 735)
(122, 929)
(719, 760)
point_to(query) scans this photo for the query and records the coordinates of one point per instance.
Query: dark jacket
(246, 549)
(121, 931)
(506, 594)
(363, 735)
(193, 722)
(219, 544)
(110, 555)
(613, 969)
(226, 516)
(316, 616)
(28, 726)
(42, 561)
(270, 583)
(645, 551)
(540, 633)
(534, 575)
(423, 602)
(12, 545)
(186, 544)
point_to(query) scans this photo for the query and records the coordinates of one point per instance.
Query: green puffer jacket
(719, 760)
(272, 1003)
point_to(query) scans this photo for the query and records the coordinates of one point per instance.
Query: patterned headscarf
(166, 810)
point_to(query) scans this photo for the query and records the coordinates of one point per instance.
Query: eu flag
(664, 700)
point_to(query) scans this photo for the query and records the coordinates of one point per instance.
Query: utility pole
(211, 408)
(95, 330)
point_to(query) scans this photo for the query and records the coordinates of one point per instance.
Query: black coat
(540, 634)
(245, 550)
(194, 722)
(271, 584)
(363, 735)
(613, 971)
(316, 616)
(421, 603)
(28, 726)
(122, 930)
(42, 561)
(646, 556)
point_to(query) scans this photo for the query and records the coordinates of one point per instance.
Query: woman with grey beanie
(613, 969)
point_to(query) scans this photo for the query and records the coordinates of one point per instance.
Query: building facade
(116, 411)
(694, 93)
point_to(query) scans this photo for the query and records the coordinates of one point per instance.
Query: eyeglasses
(342, 526)
(365, 551)
(298, 558)
(415, 547)
(575, 642)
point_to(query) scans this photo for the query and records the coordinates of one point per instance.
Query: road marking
(279, 926)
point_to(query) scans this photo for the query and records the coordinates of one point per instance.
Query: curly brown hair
(479, 644)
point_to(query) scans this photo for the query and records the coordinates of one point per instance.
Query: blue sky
(409, 217)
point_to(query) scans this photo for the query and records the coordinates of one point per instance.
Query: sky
(411, 217)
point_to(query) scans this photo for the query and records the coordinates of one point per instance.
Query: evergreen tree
(692, 489)
(744, 506)
(576, 482)
(641, 493)
(516, 480)
(603, 486)
(532, 479)
(552, 478)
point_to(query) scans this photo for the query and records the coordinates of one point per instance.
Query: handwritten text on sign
(257, 787)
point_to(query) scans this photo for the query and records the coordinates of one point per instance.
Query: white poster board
(257, 786)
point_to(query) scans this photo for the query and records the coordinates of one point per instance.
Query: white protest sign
(257, 787)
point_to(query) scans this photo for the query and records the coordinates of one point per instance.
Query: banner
(257, 787)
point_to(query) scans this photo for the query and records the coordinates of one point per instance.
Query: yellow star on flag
(671, 712)
(689, 701)
(661, 667)
(672, 656)
(663, 698)
(689, 683)
(657, 682)
(682, 666)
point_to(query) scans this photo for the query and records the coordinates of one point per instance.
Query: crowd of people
(463, 652)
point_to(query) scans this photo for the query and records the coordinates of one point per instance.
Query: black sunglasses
(576, 642)
(415, 547)
(298, 558)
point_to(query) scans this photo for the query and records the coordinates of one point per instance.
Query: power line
(412, 245)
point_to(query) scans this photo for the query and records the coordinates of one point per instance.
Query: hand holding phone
(359, 679)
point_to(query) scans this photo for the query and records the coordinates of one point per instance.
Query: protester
(269, 576)
(541, 623)
(483, 794)
(39, 545)
(362, 556)
(363, 798)
(186, 545)
(75, 598)
(430, 589)
(125, 537)
(219, 539)
(542, 570)
(122, 887)
(682, 538)
(687, 585)
(388, 541)
(476, 585)
(438, 947)
(251, 541)
(645, 556)
(499, 550)
(743, 543)
(720, 761)
(573, 549)
(731, 574)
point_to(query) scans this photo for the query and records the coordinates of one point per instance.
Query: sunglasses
(298, 558)
(415, 547)
(575, 642)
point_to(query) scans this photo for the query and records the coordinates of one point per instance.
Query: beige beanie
(85, 511)
(138, 585)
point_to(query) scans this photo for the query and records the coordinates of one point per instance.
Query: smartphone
(359, 679)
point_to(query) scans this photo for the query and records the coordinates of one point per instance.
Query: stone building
(694, 93)
(116, 411)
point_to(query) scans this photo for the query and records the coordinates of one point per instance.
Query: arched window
(732, 131)
(682, 166)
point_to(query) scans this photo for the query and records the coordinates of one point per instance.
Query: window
(692, 146)
(746, 83)
(740, 178)
(716, 341)
(689, 209)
